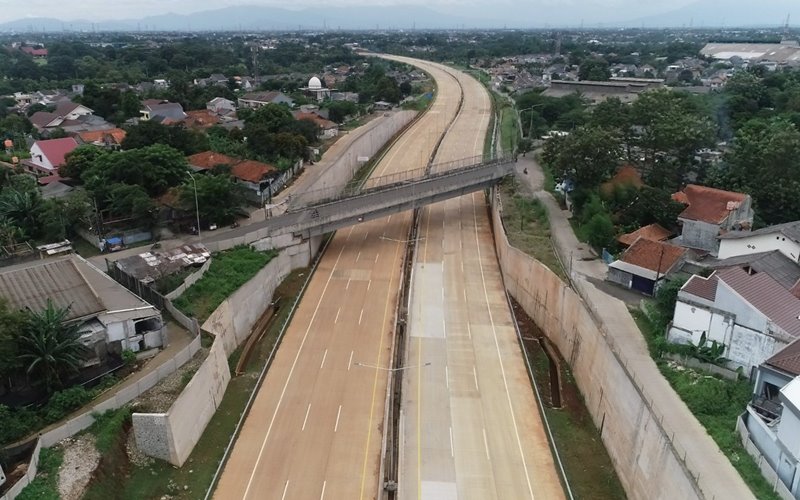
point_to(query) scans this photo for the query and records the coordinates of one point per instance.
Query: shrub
(128, 357)
(45, 485)
(600, 231)
(16, 423)
(63, 402)
(107, 427)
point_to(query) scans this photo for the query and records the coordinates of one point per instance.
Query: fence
(189, 281)
(766, 469)
(28, 477)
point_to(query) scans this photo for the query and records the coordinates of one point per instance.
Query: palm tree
(49, 345)
(21, 207)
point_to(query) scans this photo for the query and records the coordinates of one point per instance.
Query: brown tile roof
(705, 288)
(787, 359)
(252, 171)
(201, 119)
(707, 204)
(111, 136)
(766, 295)
(648, 254)
(41, 119)
(210, 159)
(56, 149)
(654, 232)
(318, 120)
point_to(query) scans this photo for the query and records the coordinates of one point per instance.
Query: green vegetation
(45, 485)
(107, 426)
(21, 422)
(509, 126)
(228, 271)
(156, 478)
(714, 401)
(528, 228)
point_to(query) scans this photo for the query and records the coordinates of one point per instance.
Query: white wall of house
(79, 111)
(699, 234)
(789, 431)
(329, 133)
(730, 320)
(759, 243)
(39, 158)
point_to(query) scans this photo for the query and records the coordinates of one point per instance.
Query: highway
(469, 427)
(315, 428)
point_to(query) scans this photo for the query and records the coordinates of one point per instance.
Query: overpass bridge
(319, 212)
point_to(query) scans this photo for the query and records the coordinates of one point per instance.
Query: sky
(98, 10)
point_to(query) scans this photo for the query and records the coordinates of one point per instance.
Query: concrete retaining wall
(648, 463)
(189, 281)
(763, 465)
(172, 436)
(26, 479)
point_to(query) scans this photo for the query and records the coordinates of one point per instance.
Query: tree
(765, 162)
(273, 118)
(49, 345)
(149, 133)
(594, 70)
(153, 168)
(600, 230)
(11, 322)
(219, 198)
(131, 202)
(587, 156)
(21, 207)
(79, 161)
(338, 111)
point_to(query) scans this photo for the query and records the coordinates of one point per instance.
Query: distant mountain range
(529, 14)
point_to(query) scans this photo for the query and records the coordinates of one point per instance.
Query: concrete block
(127, 394)
(108, 404)
(148, 381)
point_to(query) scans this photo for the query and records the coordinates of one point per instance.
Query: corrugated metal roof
(789, 229)
(57, 280)
(780, 267)
(787, 359)
(766, 295)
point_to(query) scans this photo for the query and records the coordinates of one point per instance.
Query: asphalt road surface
(315, 428)
(470, 427)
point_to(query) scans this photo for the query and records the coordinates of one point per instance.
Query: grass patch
(509, 132)
(158, 479)
(420, 103)
(528, 228)
(168, 283)
(84, 248)
(715, 402)
(107, 426)
(586, 462)
(45, 484)
(228, 271)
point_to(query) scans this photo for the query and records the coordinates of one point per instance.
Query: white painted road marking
(285, 489)
(324, 355)
(336, 320)
(308, 410)
(350, 363)
(338, 414)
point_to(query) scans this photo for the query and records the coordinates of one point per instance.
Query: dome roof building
(314, 83)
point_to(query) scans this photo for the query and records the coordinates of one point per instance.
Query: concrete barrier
(189, 281)
(649, 464)
(28, 477)
(171, 436)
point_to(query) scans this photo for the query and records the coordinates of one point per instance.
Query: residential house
(162, 111)
(208, 160)
(214, 79)
(652, 232)
(66, 114)
(709, 213)
(627, 90)
(258, 99)
(784, 238)
(221, 106)
(201, 119)
(750, 312)
(345, 96)
(48, 155)
(326, 128)
(774, 263)
(112, 318)
(39, 53)
(645, 264)
(257, 178)
(160, 84)
(770, 426)
(109, 139)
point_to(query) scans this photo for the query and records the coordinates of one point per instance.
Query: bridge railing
(328, 195)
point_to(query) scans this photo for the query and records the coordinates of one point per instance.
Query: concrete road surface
(470, 427)
(315, 428)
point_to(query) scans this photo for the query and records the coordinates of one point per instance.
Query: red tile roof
(252, 171)
(201, 119)
(41, 119)
(649, 254)
(110, 136)
(210, 159)
(654, 232)
(318, 120)
(707, 204)
(56, 149)
(705, 288)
